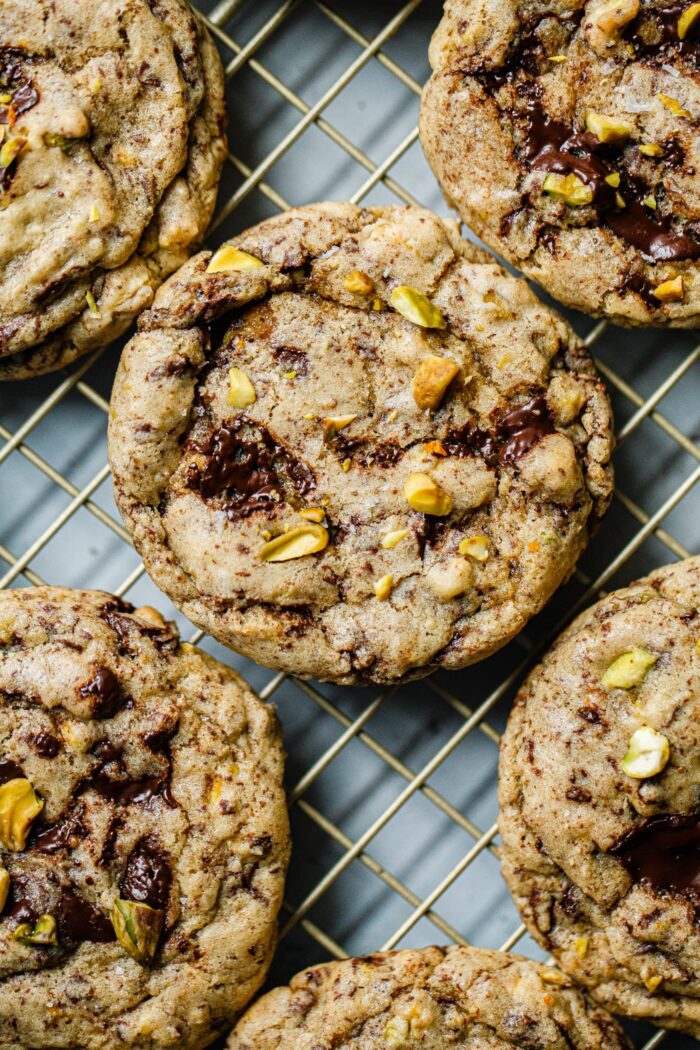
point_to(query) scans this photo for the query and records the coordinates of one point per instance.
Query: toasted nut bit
(650, 202)
(241, 391)
(688, 20)
(568, 188)
(4, 887)
(629, 670)
(607, 129)
(347, 463)
(228, 259)
(397, 1033)
(333, 424)
(19, 806)
(620, 200)
(673, 105)
(41, 934)
(669, 291)
(647, 754)
(581, 946)
(476, 547)
(655, 979)
(393, 538)
(94, 213)
(92, 305)
(651, 149)
(11, 150)
(432, 379)
(360, 282)
(611, 16)
(416, 307)
(426, 496)
(450, 578)
(297, 543)
(613, 179)
(555, 977)
(557, 58)
(382, 587)
(150, 615)
(138, 928)
(313, 514)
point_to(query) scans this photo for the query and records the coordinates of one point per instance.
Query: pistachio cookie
(143, 829)
(350, 446)
(566, 136)
(428, 998)
(112, 145)
(599, 791)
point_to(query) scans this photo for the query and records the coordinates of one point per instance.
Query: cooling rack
(392, 792)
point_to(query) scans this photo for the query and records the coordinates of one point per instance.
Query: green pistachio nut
(138, 928)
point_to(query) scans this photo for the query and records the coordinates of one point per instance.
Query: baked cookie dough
(599, 791)
(428, 998)
(112, 125)
(566, 136)
(352, 447)
(143, 829)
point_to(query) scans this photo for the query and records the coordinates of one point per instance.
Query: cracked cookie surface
(430, 998)
(599, 799)
(333, 462)
(136, 774)
(105, 188)
(566, 136)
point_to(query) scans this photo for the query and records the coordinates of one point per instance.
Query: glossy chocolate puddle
(664, 853)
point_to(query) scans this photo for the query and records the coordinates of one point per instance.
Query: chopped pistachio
(557, 58)
(476, 547)
(552, 976)
(416, 307)
(378, 305)
(5, 98)
(673, 105)
(426, 496)
(360, 282)
(581, 946)
(92, 305)
(228, 259)
(567, 188)
(382, 587)
(241, 391)
(650, 149)
(687, 20)
(138, 928)
(333, 424)
(654, 980)
(647, 754)
(63, 142)
(4, 887)
(393, 538)
(94, 213)
(629, 670)
(11, 150)
(95, 86)
(346, 464)
(620, 201)
(613, 179)
(392, 415)
(316, 514)
(19, 805)
(669, 291)
(607, 129)
(433, 376)
(397, 1032)
(41, 934)
(297, 543)
(291, 374)
(650, 202)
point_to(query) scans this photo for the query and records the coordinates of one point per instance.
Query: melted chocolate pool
(664, 852)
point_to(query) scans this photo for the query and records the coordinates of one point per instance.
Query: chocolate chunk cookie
(566, 136)
(428, 998)
(143, 829)
(352, 447)
(112, 145)
(600, 799)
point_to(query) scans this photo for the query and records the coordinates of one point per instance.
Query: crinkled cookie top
(566, 135)
(428, 998)
(143, 829)
(350, 446)
(600, 799)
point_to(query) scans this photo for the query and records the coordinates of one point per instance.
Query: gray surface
(420, 845)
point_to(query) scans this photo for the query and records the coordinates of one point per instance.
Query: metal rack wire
(392, 797)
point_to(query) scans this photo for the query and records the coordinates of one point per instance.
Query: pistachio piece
(450, 578)
(673, 105)
(11, 150)
(333, 424)
(138, 928)
(650, 202)
(63, 142)
(608, 19)
(669, 291)
(567, 188)
(613, 179)
(647, 754)
(653, 981)
(94, 213)
(552, 976)
(41, 934)
(19, 806)
(650, 149)
(382, 587)
(396, 1032)
(557, 58)
(4, 887)
(360, 282)
(688, 20)
(629, 670)
(426, 496)
(316, 514)
(92, 305)
(241, 391)
(228, 259)
(297, 543)
(391, 539)
(476, 547)
(607, 129)
(416, 307)
(150, 615)
(581, 946)
(432, 378)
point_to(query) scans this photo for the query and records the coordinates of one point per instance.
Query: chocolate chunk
(554, 146)
(158, 740)
(654, 237)
(664, 853)
(105, 692)
(45, 744)
(292, 360)
(523, 427)
(125, 791)
(471, 440)
(148, 877)
(9, 770)
(64, 833)
(13, 75)
(637, 282)
(79, 921)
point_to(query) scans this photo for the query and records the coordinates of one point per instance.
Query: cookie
(566, 137)
(599, 793)
(429, 998)
(114, 145)
(352, 447)
(143, 829)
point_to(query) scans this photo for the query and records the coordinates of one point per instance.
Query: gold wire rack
(406, 851)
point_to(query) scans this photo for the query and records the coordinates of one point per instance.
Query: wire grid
(392, 796)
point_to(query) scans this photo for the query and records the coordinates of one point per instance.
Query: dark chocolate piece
(523, 427)
(9, 770)
(664, 853)
(45, 744)
(14, 80)
(104, 691)
(148, 877)
(80, 921)
(64, 833)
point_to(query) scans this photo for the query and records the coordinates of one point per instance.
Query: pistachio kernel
(138, 928)
(687, 20)
(669, 291)
(654, 980)
(228, 259)
(647, 754)
(4, 887)
(613, 179)
(297, 543)
(557, 58)
(607, 129)
(650, 149)
(11, 150)
(41, 934)
(432, 378)
(450, 578)
(567, 188)
(316, 514)
(416, 307)
(19, 806)
(241, 391)
(346, 464)
(581, 946)
(476, 547)
(92, 305)
(552, 976)
(382, 587)
(333, 424)
(650, 202)
(396, 1032)
(426, 496)
(629, 670)
(673, 105)
(392, 539)
(63, 142)
(360, 282)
